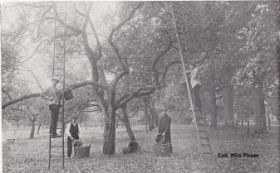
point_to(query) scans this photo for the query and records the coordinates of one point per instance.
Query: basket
(68, 94)
(163, 150)
(81, 151)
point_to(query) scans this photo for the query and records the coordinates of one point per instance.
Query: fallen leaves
(32, 155)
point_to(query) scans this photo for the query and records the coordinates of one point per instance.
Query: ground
(31, 155)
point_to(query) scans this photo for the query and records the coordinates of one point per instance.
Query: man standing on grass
(73, 132)
(54, 96)
(164, 132)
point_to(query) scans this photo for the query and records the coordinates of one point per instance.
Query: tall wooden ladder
(58, 71)
(200, 121)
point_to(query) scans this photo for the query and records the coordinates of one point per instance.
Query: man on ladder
(196, 85)
(54, 96)
(201, 132)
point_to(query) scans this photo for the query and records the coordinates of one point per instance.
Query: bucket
(82, 151)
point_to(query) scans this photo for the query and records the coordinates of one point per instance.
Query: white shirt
(194, 78)
(67, 131)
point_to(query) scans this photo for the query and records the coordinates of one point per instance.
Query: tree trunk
(31, 136)
(260, 109)
(133, 146)
(127, 125)
(38, 129)
(154, 113)
(213, 108)
(109, 131)
(147, 111)
(228, 105)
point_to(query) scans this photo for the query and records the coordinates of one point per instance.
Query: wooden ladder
(58, 71)
(200, 122)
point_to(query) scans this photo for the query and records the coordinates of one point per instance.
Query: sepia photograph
(140, 86)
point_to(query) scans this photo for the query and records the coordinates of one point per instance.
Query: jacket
(53, 95)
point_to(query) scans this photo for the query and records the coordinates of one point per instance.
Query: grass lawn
(31, 155)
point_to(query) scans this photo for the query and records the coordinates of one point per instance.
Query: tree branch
(110, 39)
(121, 118)
(36, 49)
(166, 70)
(33, 95)
(77, 30)
(33, 75)
(138, 93)
(87, 16)
(42, 19)
(156, 60)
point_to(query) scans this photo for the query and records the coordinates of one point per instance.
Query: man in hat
(164, 132)
(53, 96)
(73, 132)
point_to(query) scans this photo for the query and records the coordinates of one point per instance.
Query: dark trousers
(69, 146)
(54, 118)
(196, 97)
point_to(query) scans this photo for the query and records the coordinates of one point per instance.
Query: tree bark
(31, 136)
(155, 115)
(127, 125)
(147, 111)
(38, 129)
(228, 105)
(213, 108)
(260, 108)
(109, 131)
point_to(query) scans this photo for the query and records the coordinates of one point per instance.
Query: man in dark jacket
(164, 132)
(73, 132)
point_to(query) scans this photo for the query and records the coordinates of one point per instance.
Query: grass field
(31, 155)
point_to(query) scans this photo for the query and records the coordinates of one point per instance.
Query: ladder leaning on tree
(58, 71)
(200, 126)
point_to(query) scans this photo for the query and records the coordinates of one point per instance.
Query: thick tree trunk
(260, 109)
(228, 105)
(127, 125)
(213, 108)
(31, 136)
(109, 131)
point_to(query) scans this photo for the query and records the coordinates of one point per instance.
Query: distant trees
(233, 44)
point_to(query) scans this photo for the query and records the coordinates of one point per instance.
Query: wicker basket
(81, 151)
(163, 149)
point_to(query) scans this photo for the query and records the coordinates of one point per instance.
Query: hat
(74, 117)
(55, 79)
